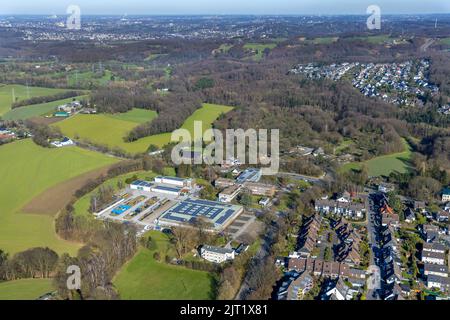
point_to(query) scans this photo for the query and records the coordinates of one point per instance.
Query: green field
(136, 115)
(26, 171)
(108, 130)
(85, 78)
(380, 39)
(225, 47)
(385, 165)
(325, 40)
(445, 41)
(143, 278)
(25, 289)
(21, 93)
(258, 49)
(36, 110)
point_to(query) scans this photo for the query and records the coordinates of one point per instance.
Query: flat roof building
(230, 193)
(220, 215)
(249, 175)
(260, 189)
(175, 181)
(141, 185)
(223, 183)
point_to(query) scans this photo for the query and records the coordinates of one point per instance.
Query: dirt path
(52, 200)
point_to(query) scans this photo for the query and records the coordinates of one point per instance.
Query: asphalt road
(262, 254)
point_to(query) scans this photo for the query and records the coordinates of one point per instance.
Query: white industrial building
(174, 181)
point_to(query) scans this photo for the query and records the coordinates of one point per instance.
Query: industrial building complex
(168, 202)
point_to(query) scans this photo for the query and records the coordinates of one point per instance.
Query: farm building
(63, 143)
(61, 114)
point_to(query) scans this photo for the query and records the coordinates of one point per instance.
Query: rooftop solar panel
(190, 209)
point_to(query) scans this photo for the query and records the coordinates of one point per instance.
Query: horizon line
(226, 14)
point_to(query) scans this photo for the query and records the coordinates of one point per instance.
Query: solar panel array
(142, 183)
(186, 211)
(249, 175)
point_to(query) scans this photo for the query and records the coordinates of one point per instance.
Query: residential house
(420, 206)
(309, 236)
(446, 195)
(433, 257)
(447, 207)
(410, 216)
(216, 254)
(300, 287)
(430, 232)
(435, 270)
(441, 283)
(434, 247)
(341, 291)
(386, 187)
(442, 216)
(346, 209)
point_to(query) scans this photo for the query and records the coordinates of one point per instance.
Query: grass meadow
(7, 92)
(26, 171)
(144, 278)
(25, 289)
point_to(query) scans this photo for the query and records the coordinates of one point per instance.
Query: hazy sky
(155, 7)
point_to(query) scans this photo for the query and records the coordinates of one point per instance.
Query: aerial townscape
(354, 123)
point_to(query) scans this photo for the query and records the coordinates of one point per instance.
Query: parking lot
(242, 224)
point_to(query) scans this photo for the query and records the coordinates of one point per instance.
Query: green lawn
(385, 165)
(21, 93)
(143, 278)
(25, 289)
(259, 48)
(110, 130)
(26, 171)
(36, 110)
